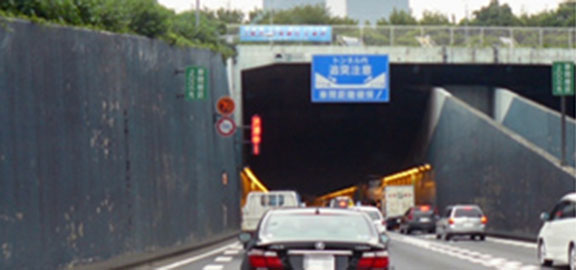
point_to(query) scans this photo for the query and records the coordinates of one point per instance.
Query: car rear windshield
(468, 212)
(321, 227)
(418, 212)
(374, 215)
(272, 200)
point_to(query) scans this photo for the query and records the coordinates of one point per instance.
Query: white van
(257, 203)
(557, 237)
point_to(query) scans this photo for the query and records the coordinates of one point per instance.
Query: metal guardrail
(440, 36)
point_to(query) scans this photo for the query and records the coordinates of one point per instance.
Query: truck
(397, 200)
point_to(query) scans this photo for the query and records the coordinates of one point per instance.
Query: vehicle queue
(343, 235)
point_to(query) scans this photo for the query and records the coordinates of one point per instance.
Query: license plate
(425, 219)
(319, 262)
(468, 225)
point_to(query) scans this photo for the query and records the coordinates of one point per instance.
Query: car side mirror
(244, 237)
(545, 216)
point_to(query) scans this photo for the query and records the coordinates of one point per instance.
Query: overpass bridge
(103, 164)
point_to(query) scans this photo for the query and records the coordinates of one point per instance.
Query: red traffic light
(256, 134)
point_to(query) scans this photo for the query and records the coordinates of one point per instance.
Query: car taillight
(265, 260)
(373, 261)
(484, 220)
(451, 221)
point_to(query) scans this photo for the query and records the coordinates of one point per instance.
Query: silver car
(466, 220)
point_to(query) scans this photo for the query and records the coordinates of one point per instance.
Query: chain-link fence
(438, 36)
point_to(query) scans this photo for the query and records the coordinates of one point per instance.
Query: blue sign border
(350, 78)
(290, 33)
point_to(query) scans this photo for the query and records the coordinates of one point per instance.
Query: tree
(230, 16)
(382, 21)
(434, 18)
(313, 15)
(402, 18)
(495, 15)
(149, 18)
(563, 16)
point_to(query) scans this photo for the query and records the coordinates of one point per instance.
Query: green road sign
(196, 82)
(563, 79)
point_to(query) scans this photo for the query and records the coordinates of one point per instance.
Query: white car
(376, 217)
(557, 237)
(257, 203)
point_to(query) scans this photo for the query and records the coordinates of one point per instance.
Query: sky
(458, 8)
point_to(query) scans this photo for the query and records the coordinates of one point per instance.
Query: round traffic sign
(225, 105)
(226, 126)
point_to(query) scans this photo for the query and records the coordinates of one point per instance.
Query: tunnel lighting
(256, 136)
(254, 179)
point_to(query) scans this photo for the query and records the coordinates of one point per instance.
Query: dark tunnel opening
(317, 148)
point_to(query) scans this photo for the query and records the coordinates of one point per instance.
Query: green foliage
(382, 21)
(149, 18)
(142, 17)
(402, 18)
(313, 15)
(563, 16)
(230, 16)
(495, 15)
(434, 18)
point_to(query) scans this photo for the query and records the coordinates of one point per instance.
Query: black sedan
(315, 239)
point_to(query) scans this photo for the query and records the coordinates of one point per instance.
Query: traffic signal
(256, 134)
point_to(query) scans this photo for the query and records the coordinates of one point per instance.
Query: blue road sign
(288, 33)
(356, 78)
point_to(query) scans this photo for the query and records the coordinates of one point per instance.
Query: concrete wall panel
(100, 159)
(478, 161)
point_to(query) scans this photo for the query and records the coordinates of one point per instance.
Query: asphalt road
(414, 252)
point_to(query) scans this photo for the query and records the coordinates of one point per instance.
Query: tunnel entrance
(316, 148)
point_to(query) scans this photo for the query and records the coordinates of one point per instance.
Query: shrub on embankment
(141, 17)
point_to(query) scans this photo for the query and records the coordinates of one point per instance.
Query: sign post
(563, 85)
(350, 78)
(196, 82)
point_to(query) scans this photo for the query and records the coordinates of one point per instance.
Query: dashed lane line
(232, 252)
(465, 254)
(196, 258)
(213, 267)
(511, 242)
(498, 240)
(223, 259)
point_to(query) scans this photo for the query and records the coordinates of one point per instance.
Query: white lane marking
(196, 258)
(512, 242)
(232, 252)
(223, 259)
(530, 267)
(465, 254)
(213, 267)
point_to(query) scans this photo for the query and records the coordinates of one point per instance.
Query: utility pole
(197, 14)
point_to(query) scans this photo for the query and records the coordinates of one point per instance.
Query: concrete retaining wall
(478, 161)
(536, 123)
(101, 160)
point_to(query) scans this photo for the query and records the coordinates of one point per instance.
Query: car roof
(463, 205)
(314, 210)
(366, 207)
(570, 197)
